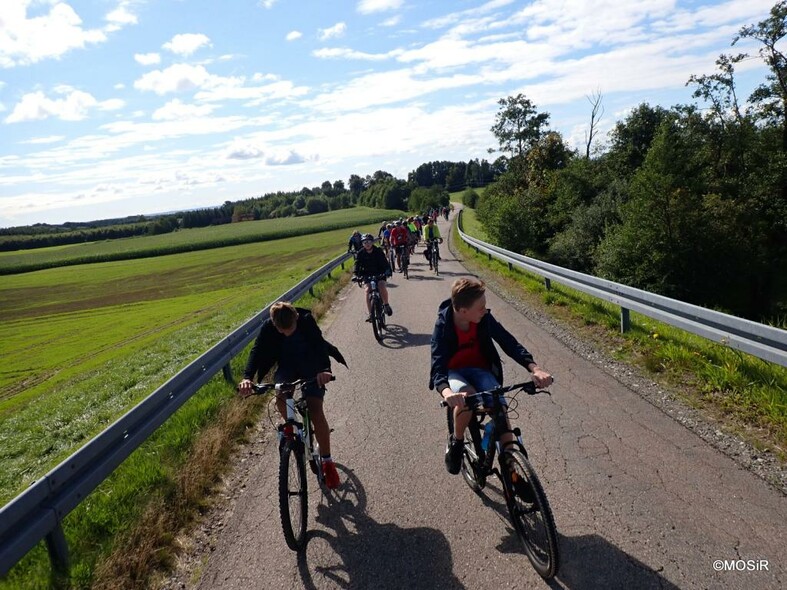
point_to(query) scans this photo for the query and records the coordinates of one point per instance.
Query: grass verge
(126, 529)
(746, 394)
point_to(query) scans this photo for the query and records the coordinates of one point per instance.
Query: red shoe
(330, 474)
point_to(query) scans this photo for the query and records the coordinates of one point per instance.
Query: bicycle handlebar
(527, 386)
(366, 279)
(260, 388)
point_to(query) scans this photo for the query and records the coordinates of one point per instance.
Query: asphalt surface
(639, 500)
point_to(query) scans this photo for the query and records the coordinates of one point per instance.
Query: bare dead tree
(595, 116)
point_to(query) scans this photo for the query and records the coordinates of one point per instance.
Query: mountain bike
(434, 253)
(296, 442)
(525, 499)
(405, 261)
(378, 312)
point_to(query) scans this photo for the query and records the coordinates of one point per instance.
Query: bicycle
(405, 261)
(525, 499)
(296, 441)
(434, 254)
(378, 312)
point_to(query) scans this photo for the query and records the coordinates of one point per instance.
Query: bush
(470, 198)
(316, 205)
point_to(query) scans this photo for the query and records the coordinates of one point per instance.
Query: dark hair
(283, 315)
(465, 292)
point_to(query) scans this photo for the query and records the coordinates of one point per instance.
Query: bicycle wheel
(435, 260)
(377, 327)
(405, 264)
(530, 512)
(293, 499)
(470, 460)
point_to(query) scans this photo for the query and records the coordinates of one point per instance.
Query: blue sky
(118, 107)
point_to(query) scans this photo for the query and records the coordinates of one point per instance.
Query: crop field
(190, 239)
(82, 344)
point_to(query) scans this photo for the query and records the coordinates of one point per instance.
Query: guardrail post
(490, 256)
(57, 547)
(510, 266)
(548, 283)
(342, 265)
(477, 251)
(625, 320)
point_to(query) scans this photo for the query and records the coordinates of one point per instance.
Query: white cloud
(370, 6)
(391, 22)
(25, 41)
(240, 150)
(268, 3)
(293, 35)
(121, 16)
(44, 140)
(286, 158)
(347, 53)
(333, 32)
(187, 43)
(74, 106)
(177, 110)
(176, 78)
(147, 59)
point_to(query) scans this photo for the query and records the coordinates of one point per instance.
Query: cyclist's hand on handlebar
(245, 388)
(541, 378)
(323, 378)
(452, 398)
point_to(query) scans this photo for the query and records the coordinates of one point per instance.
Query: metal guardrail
(37, 513)
(765, 342)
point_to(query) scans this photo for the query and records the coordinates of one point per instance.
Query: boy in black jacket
(371, 261)
(292, 338)
(465, 360)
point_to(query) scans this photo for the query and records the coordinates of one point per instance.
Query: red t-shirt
(468, 354)
(399, 235)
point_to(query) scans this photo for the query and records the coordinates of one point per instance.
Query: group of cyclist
(464, 359)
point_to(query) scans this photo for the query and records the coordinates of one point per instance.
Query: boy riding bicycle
(292, 338)
(371, 261)
(465, 360)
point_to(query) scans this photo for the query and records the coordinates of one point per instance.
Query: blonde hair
(466, 291)
(283, 315)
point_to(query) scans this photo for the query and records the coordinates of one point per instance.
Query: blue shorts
(311, 390)
(478, 379)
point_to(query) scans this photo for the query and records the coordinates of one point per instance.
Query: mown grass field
(189, 240)
(746, 393)
(83, 344)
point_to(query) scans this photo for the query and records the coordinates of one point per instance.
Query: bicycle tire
(470, 464)
(293, 495)
(435, 260)
(376, 327)
(532, 517)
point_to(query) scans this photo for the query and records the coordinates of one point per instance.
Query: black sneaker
(388, 310)
(453, 455)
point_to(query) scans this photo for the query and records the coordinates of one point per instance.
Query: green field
(82, 344)
(189, 240)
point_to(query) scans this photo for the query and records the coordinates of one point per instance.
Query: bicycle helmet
(368, 237)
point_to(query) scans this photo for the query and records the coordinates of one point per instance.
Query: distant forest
(688, 201)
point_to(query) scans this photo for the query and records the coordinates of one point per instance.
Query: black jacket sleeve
(440, 358)
(263, 354)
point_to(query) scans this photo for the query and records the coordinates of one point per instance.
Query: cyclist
(355, 242)
(386, 237)
(465, 360)
(399, 239)
(292, 338)
(431, 232)
(370, 261)
(412, 238)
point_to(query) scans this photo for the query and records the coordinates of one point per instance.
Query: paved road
(639, 500)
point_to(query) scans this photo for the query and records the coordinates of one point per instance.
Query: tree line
(688, 201)
(425, 187)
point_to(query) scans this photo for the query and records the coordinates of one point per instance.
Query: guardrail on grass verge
(765, 342)
(37, 513)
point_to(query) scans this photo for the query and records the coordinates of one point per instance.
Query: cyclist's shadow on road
(396, 336)
(363, 553)
(586, 561)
